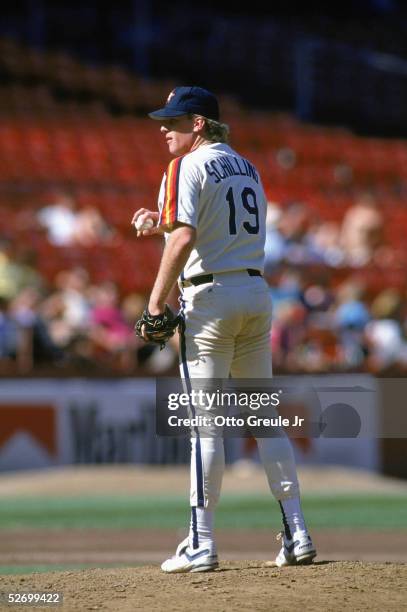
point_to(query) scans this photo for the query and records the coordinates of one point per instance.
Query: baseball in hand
(142, 225)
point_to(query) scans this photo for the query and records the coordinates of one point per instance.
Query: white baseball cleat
(298, 551)
(186, 559)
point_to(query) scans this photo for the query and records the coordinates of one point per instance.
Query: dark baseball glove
(158, 328)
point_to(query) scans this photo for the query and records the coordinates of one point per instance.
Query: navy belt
(208, 278)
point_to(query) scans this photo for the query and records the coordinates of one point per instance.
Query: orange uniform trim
(170, 207)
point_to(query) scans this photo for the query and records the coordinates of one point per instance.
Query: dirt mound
(247, 586)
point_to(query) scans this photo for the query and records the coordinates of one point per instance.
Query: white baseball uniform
(228, 315)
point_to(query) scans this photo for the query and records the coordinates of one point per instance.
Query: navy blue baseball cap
(188, 100)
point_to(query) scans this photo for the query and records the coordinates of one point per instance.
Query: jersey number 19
(248, 197)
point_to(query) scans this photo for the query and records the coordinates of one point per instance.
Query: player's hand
(141, 216)
(158, 328)
(154, 310)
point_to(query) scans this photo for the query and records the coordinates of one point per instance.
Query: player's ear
(198, 124)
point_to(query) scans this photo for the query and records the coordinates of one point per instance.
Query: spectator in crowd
(8, 333)
(37, 344)
(132, 307)
(59, 219)
(289, 316)
(384, 334)
(25, 270)
(287, 236)
(108, 327)
(286, 286)
(17, 270)
(90, 228)
(112, 337)
(67, 309)
(274, 247)
(351, 318)
(69, 225)
(362, 231)
(324, 244)
(287, 333)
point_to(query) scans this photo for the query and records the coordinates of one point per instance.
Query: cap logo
(191, 99)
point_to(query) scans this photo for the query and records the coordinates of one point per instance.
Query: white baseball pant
(227, 332)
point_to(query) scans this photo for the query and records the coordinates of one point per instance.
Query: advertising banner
(51, 422)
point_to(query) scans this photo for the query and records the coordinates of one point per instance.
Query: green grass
(360, 512)
(234, 512)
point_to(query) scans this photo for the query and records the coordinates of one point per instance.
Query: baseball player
(212, 209)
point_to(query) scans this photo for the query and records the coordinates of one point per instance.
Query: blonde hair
(214, 130)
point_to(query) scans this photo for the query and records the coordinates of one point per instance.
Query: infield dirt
(245, 586)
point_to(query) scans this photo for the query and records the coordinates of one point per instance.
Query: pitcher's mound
(248, 586)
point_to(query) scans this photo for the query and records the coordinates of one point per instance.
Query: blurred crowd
(318, 328)
(75, 326)
(322, 323)
(72, 327)
(296, 236)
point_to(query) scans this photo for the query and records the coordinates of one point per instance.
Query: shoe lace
(280, 536)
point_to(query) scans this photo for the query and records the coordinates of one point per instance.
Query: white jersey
(219, 193)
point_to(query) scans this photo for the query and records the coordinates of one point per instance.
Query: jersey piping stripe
(198, 453)
(170, 208)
